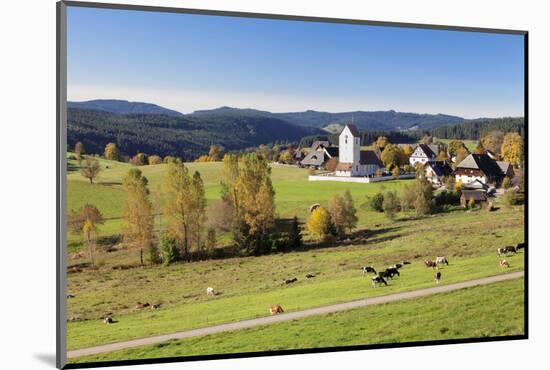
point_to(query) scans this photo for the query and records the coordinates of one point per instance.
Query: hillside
(123, 107)
(366, 121)
(186, 136)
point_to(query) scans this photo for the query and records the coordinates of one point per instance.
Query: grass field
(492, 310)
(247, 286)
(470, 144)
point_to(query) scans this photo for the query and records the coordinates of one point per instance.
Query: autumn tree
(480, 149)
(395, 172)
(337, 212)
(84, 221)
(407, 150)
(382, 142)
(79, 149)
(255, 199)
(392, 156)
(198, 213)
(178, 204)
(461, 154)
(331, 164)
(154, 159)
(427, 139)
(350, 211)
(210, 244)
(90, 168)
(137, 227)
(111, 152)
(442, 156)
(286, 157)
(216, 152)
(318, 224)
(493, 141)
(454, 146)
(169, 159)
(139, 159)
(512, 149)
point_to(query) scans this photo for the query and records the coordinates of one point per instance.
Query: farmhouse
(435, 171)
(479, 167)
(423, 154)
(506, 168)
(476, 195)
(352, 161)
(320, 153)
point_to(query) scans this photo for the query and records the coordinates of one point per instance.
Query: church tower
(350, 147)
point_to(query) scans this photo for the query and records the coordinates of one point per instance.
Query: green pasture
(493, 310)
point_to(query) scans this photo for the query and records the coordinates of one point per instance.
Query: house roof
(504, 166)
(369, 157)
(318, 143)
(341, 166)
(314, 158)
(440, 168)
(426, 149)
(353, 129)
(475, 194)
(332, 151)
(481, 162)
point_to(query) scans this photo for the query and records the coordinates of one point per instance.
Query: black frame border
(61, 73)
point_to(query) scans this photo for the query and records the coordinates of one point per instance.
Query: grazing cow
(504, 264)
(510, 249)
(155, 306)
(140, 305)
(290, 281)
(520, 246)
(405, 263)
(274, 310)
(437, 277)
(441, 260)
(396, 266)
(309, 276)
(431, 264)
(392, 271)
(70, 296)
(378, 280)
(210, 291)
(368, 269)
(108, 320)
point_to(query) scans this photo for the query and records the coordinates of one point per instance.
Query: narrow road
(293, 315)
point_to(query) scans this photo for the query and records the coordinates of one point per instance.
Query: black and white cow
(368, 269)
(378, 280)
(437, 277)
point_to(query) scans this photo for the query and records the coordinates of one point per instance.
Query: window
(346, 139)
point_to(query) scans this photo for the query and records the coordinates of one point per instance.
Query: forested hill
(365, 121)
(123, 107)
(187, 136)
(476, 129)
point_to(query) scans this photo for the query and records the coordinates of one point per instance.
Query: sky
(192, 62)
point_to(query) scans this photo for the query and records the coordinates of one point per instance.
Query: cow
(309, 276)
(396, 266)
(108, 320)
(441, 260)
(392, 271)
(140, 305)
(368, 269)
(504, 264)
(210, 291)
(405, 263)
(437, 277)
(155, 306)
(378, 280)
(520, 246)
(276, 309)
(290, 281)
(431, 264)
(506, 250)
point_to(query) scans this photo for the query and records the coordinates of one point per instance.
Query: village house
(479, 168)
(352, 161)
(476, 195)
(435, 171)
(423, 154)
(320, 153)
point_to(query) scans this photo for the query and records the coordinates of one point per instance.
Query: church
(352, 161)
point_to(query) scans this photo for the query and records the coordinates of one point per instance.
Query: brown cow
(431, 264)
(504, 264)
(274, 310)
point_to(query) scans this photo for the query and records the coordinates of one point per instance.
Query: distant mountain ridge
(123, 107)
(364, 120)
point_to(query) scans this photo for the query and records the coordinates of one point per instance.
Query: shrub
(153, 254)
(319, 225)
(391, 204)
(155, 159)
(512, 198)
(169, 250)
(376, 202)
(506, 183)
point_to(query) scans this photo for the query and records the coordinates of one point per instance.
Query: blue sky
(189, 62)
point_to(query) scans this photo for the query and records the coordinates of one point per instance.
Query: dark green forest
(476, 129)
(186, 137)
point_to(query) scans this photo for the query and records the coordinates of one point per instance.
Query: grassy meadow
(454, 315)
(247, 286)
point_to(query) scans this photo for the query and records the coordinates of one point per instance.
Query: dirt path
(292, 315)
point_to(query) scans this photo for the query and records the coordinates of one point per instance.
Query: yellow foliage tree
(318, 224)
(512, 149)
(111, 152)
(90, 232)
